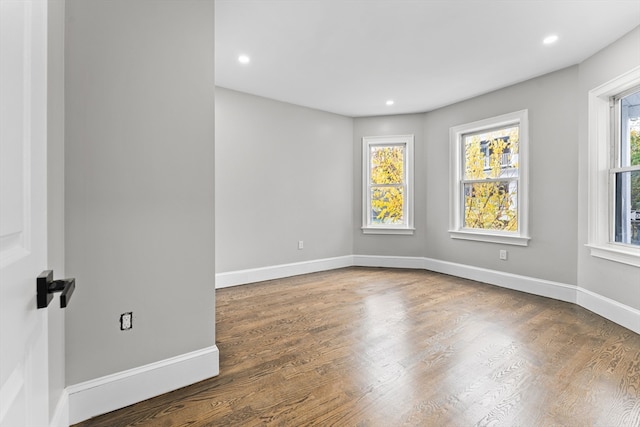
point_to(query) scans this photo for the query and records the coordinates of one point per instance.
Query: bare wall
(139, 182)
(283, 174)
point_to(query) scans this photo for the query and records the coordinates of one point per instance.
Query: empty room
(320, 212)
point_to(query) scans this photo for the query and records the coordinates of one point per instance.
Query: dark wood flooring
(389, 347)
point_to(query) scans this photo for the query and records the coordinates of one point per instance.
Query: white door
(23, 202)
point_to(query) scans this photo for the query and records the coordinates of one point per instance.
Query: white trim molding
(407, 141)
(243, 277)
(599, 206)
(541, 287)
(610, 309)
(457, 229)
(111, 392)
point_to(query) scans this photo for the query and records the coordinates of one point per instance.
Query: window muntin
(605, 161)
(489, 180)
(387, 207)
(625, 171)
(387, 184)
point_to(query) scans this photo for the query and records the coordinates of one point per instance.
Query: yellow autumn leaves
(490, 180)
(387, 183)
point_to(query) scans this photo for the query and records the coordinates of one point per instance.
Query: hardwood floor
(385, 347)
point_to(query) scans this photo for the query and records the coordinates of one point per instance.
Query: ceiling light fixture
(244, 59)
(550, 39)
(390, 102)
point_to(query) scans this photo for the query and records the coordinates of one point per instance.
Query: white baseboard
(242, 277)
(60, 416)
(531, 285)
(613, 310)
(610, 309)
(417, 263)
(111, 392)
(101, 395)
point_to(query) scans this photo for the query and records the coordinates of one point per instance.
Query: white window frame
(456, 195)
(600, 198)
(367, 227)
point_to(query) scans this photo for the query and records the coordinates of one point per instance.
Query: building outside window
(388, 184)
(488, 180)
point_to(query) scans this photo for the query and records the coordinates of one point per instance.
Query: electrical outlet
(300, 244)
(126, 321)
(503, 254)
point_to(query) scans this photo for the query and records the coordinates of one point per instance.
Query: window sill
(380, 230)
(616, 253)
(503, 239)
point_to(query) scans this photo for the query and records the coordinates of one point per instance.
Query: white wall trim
(531, 285)
(115, 391)
(101, 395)
(243, 277)
(60, 416)
(389, 261)
(610, 309)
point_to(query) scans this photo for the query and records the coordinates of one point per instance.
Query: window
(625, 171)
(488, 184)
(614, 169)
(387, 184)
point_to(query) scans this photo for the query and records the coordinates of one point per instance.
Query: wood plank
(391, 347)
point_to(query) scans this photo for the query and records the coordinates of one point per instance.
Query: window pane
(630, 130)
(627, 209)
(387, 205)
(491, 205)
(491, 154)
(387, 164)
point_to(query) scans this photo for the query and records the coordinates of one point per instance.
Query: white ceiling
(350, 56)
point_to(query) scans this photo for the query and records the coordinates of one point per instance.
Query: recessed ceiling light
(550, 39)
(390, 102)
(244, 59)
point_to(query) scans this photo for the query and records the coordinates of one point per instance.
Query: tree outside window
(387, 189)
(625, 171)
(490, 179)
(488, 184)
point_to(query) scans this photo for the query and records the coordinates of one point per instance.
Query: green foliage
(635, 147)
(635, 177)
(387, 175)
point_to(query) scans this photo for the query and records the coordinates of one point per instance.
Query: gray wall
(553, 166)
(610, 279)
(394, 245)
(283, 174)
(139, 182)
(55, 193)
(551, 254)
(269, 137)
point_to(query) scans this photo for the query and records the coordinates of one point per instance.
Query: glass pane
(491, 154)
(630, 130)
(387, 164)
(491, 205)
(387, 206)
(627, 207)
